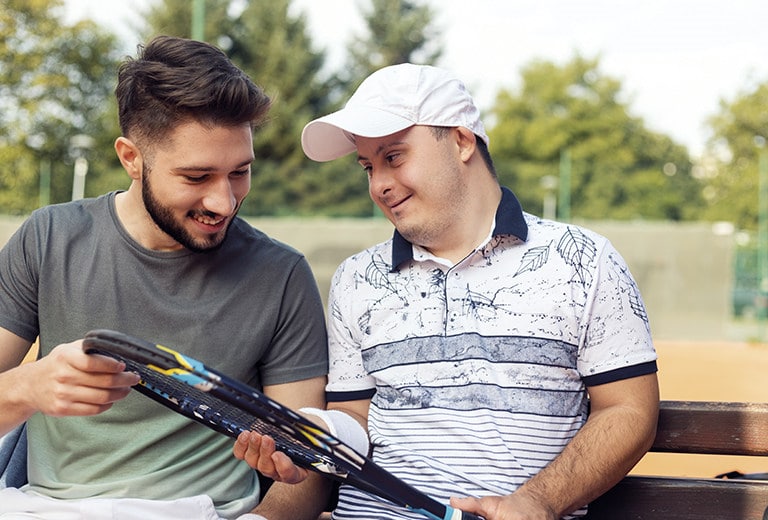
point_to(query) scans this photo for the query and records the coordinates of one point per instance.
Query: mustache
(211, 214)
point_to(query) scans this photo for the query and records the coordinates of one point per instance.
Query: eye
(195, 179)
(366, 168)
(394, 159)
(241, 173)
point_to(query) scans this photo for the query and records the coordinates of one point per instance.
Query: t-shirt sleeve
(19, 264)
(347, 378)
(617, 343)
(299, 349)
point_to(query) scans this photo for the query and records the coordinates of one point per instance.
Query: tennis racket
(225, 405)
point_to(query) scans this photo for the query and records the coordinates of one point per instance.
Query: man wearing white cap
(487, 353)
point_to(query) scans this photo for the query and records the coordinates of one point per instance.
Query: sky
(676, 59)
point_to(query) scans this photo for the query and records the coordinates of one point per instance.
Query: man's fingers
(260, 453)
(287, 471)
(241, 445)
(68, 382)
(248, 448)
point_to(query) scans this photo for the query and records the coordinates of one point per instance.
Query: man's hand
(69, 382)
(510, 507)
(260, 454)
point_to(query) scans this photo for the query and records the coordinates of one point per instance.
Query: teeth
(208, 221)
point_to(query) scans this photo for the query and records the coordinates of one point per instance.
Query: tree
(399, 31)
(174, 18)
(274, 49)
(56, 79)
(740, 132)
(618, 168)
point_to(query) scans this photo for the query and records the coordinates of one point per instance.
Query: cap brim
(326, 138)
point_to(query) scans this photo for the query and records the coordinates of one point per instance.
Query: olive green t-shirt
(250, 309)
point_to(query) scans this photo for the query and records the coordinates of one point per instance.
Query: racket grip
(458, 514)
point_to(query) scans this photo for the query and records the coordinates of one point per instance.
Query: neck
(137, 222)
(469, 232)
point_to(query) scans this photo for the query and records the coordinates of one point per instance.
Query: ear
(466, 142)
(130, 157)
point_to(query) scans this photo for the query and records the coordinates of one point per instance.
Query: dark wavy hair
(174, 80)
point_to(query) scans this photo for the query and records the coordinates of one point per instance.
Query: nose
(379, 183)
(221, 198)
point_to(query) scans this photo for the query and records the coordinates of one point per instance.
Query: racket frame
(336, 460)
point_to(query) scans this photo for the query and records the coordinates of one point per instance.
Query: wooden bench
(695, 427)
(715, 428)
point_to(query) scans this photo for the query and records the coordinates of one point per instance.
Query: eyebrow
(211, 168)
(381, 149)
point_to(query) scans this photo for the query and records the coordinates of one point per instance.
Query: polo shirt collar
(509, 221)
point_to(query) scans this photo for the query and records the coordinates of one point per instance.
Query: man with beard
(167, 260)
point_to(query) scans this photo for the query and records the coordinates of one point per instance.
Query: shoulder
(69, 218)
(566, 238)
(378, 255)
(572, 251)
(243, 238)
(548, 229)
(96, 206)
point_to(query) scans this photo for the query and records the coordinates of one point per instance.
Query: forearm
(296, 501)
(601, 454)
(14, 409)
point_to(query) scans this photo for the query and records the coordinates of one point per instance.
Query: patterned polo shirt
(478, 371)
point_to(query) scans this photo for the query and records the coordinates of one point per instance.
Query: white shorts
(20, 505)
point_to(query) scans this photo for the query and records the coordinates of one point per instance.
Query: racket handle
(458, 514)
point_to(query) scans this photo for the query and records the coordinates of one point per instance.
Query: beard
(164, 219)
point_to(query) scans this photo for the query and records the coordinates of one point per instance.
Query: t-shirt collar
(509, 221)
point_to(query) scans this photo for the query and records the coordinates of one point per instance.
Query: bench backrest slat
(713, 428)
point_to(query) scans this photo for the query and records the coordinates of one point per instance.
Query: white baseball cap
(388, 101)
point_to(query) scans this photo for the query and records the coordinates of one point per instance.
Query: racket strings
(209, 409)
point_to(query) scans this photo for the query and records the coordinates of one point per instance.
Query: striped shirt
(478, 371)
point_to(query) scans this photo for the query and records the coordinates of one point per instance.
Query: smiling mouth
(398, 203)
(208, 220)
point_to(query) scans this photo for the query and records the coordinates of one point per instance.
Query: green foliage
(616, 165)
(740, 134)
(174, 18)
(273, 48)
(55, 79)
(16, 179)
(399, 31)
